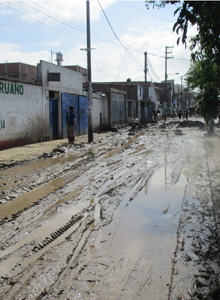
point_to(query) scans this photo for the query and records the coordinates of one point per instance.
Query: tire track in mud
(54, 235)
(110, 194)
(28, 199)
(74, 262)
(197, 249)
(33, 266)
(136, 183)
(19, 175)
(22, 202)
(118, 188)
(80, 165)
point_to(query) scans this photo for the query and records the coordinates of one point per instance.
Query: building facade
(21, 114)
(34, 101)
(35, 110)
(124, 100)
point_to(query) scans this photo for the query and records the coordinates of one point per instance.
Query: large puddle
(154, 211)
(143, 234)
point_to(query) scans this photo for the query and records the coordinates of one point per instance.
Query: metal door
(67, 101)
(53, 118)
(118, 107)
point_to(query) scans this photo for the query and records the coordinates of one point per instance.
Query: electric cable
(144, 11)
(116, 34)
(60, 21)
(24, 14)
(152, 69)
(105, 44)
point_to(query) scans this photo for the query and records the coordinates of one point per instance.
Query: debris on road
(133, 215)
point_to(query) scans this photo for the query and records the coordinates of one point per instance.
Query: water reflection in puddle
(9, 176)
(31, 197)
(153, 211)
(143, 234)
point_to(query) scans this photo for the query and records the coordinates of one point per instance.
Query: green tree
(203, 14)
(203, 74)
(205, 47)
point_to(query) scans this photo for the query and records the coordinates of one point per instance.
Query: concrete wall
(118, 106)
(21, 114)
(154, 97)
(99, 113)
(70, 82)
(133, 92)
(24, 113)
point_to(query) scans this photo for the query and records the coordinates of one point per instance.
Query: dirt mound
(186, 123)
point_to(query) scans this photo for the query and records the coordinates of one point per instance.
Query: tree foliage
(203, 74)
(205, 45)
(203, 14)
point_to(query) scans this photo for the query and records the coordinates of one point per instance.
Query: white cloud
(11, 52)
(8, 47)
(110, 61)
(117, 64)
(52, 44)
(66, 10)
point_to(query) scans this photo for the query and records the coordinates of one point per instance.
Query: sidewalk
(31, 151)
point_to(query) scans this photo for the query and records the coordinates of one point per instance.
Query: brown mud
(134, 215)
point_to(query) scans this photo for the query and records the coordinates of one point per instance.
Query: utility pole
(89, 70)
(89, 74)
(145, 78)
(181, 89)
(166, 58)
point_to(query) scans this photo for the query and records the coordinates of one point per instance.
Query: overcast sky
(121, 31)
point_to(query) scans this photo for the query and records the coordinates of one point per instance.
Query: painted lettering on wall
(2, 124)
(11, 88)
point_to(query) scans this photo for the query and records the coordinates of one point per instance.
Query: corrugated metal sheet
(53, 118)
(118, 107)
(81, 112)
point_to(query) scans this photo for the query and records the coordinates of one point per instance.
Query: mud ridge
(53, 236)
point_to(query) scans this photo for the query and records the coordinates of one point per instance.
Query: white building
(36, 111)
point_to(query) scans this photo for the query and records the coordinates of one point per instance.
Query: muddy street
(134, 215)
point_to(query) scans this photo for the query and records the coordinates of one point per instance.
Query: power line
(152, 69)
(69, 28)
(36, 19)
(162, 56)
(116, 34)
(65, 30)
(60, 21)
(181, 59)
(144, 11)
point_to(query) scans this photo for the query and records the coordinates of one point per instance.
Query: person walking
(71, 124)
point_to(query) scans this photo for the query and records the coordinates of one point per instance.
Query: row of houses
(34, 101)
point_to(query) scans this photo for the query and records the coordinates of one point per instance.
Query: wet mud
(134, 215)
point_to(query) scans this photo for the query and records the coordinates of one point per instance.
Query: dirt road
(132, 216)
